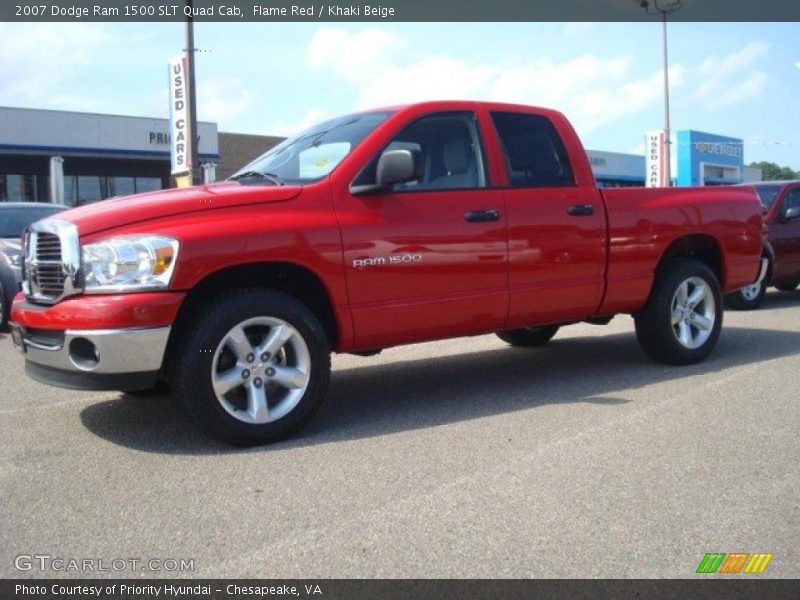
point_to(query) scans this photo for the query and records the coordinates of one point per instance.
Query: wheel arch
(296, 280)
(772, 260)
(702, 246)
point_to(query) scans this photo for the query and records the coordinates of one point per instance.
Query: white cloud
(312, 117)
(594, 91)
(223, 99)
(353, 56)
(39, 57)
(735, 62)
(750, 87)
(732, 78)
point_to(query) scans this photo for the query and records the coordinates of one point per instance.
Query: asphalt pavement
(460, 458)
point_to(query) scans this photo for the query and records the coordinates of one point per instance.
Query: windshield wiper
(271, 177)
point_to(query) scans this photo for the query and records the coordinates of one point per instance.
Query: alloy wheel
(260, 370)
(693, 313)
(751, 292)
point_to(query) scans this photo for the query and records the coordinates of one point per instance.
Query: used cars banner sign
(179, 116)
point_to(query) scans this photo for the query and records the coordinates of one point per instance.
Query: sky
(735, 79)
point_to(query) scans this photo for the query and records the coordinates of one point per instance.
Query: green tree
(772, 172)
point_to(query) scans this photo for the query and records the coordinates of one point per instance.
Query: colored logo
(736, 562)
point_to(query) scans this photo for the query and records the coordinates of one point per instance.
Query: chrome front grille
(48, 246)
(52, 261)
(47, 270)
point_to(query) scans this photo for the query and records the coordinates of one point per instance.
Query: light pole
(192, 107)
(664, 7)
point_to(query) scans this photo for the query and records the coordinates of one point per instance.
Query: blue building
(709, 159)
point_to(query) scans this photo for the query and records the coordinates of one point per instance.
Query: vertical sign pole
(667, 140)
(665, 7)
(192, 133)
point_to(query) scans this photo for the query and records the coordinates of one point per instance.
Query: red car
(781, 203)
(385, 227)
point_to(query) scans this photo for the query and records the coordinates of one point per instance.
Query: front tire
(787, 287)
(747, 298)
(253, 367)
(681, 322)
(528, 337)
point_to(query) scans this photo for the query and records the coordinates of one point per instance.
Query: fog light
(83, 354)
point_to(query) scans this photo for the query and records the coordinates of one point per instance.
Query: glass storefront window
(147, 184)
(70, 190)
(121, 186)
(21, 188)
(78, 188)
(90, 188)
(84, 189)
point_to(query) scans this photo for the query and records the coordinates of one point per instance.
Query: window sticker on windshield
(318, 161)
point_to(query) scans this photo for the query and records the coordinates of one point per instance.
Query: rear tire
(787, 287)
(681, 322)
(747, 298)
(252, 367)
(528, 337)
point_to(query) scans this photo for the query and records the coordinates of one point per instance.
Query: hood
(116, 212)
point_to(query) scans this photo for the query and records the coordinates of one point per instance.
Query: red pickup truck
(385, 227)
(781, 204)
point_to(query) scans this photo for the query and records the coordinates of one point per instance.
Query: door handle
(481, 216)
(581, 210)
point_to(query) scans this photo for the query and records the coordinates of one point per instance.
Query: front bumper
(99, 359)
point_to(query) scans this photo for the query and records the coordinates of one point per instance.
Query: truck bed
(643, 222)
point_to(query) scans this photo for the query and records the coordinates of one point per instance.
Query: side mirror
(394, 166)
(398, 166)
(791, 213)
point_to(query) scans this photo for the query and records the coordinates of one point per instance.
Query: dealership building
(75, 157)
(698, 159)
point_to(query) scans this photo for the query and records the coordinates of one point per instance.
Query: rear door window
(534, 153)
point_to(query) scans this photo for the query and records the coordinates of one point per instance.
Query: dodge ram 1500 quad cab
(380, 228)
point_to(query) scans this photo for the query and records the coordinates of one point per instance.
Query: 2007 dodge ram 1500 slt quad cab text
(381, 228)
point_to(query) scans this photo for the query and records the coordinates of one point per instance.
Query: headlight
(129, 263)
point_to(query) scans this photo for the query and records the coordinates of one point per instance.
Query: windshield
(767, 194)
(14, 220)
(312, 154)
